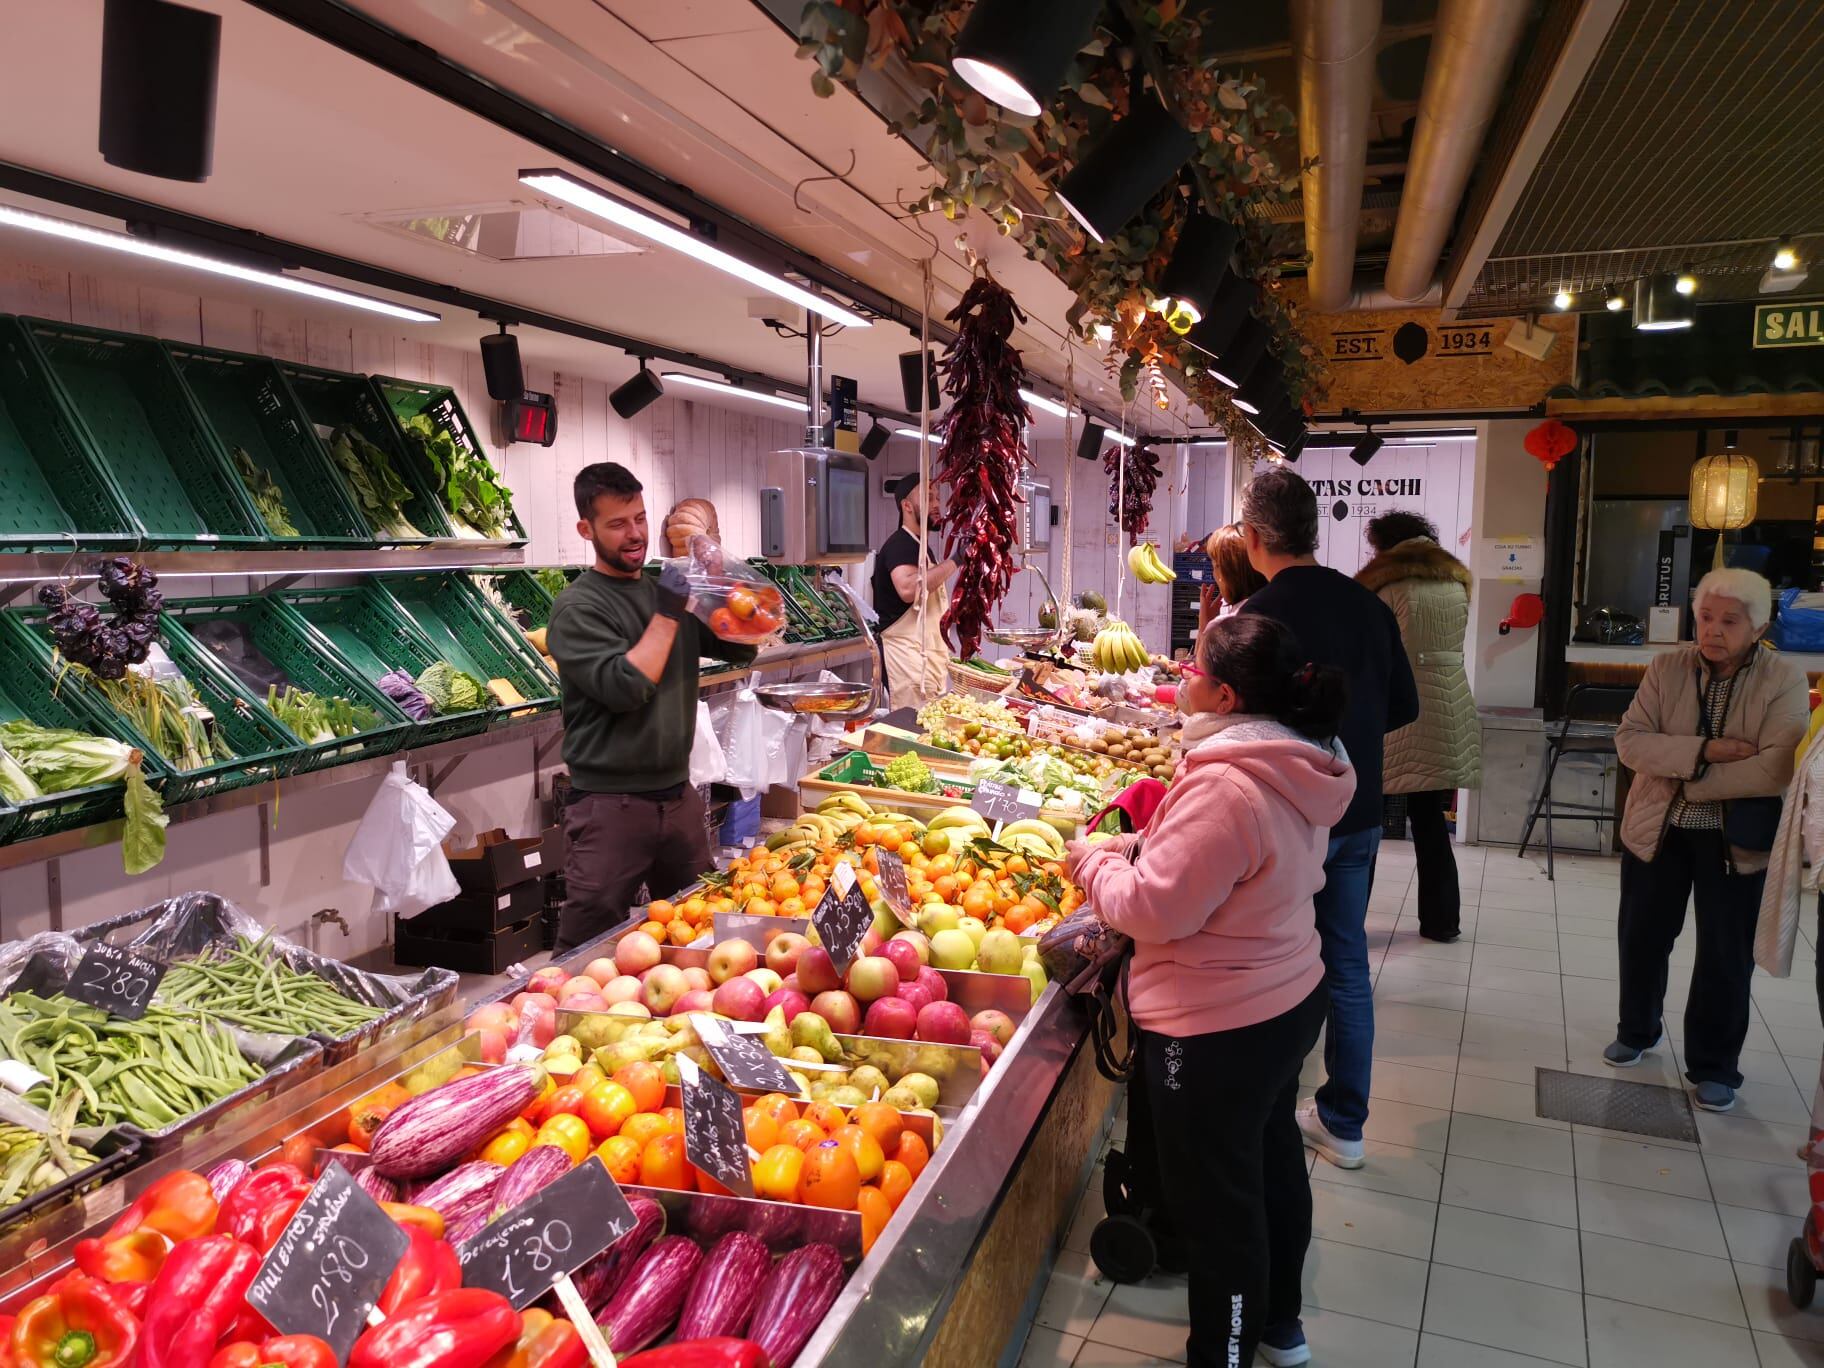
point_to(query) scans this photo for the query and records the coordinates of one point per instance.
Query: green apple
(1035, 975)
(952, 949)
(936, 917)
(999, 952)
(976, 927)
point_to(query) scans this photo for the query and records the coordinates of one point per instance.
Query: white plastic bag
(752, 736)
(398, 848)
(707, 763)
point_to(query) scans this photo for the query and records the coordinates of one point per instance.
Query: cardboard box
(500, 862)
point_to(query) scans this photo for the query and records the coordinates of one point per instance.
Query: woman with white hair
(1710, 739)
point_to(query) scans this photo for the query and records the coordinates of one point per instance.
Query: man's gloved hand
(673, 592)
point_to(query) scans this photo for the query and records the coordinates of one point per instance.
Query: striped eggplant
(726, 1288)
(802, 1286)
(649, 1301)
(465, 1192)
(435, 1129)
(226, 1176)
(528, 1175)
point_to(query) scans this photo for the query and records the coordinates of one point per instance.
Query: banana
(1032, 829)
(1165, 574)
(1137, 563)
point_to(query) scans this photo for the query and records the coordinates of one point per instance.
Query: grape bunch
(107, 645)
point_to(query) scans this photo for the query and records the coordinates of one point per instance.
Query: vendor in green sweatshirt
(626, 649)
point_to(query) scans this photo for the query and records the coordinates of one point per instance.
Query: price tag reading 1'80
(522, 1253)
(115, 980)
(715, 1140)
(330, 1264)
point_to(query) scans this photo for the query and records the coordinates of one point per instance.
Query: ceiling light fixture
(914, 434)
(1044, 405)
(1687, 283)
(153, 251)
(631, 396)
(1195, 273)
(1613, 300)
(1563, 299)
(875, 439)
(1785, 255)
(159, 67)
(733, 391)
(1125, 169)
(1659, 306)
(1236, 362)
(1365, 447)
(563, 186)
(1015, 52)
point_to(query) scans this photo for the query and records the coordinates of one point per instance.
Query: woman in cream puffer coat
(1428, 761)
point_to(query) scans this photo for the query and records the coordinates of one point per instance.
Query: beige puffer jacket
(1428, 590)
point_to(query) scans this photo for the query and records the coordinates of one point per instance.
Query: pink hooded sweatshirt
(1219, 902)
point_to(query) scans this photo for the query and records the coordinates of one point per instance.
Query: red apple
(550, 978)
(496, 1016)
(783, 950)
(601, 969)
(839, 1009)
(575, 987)
(917, 941)
(943, 1023)
(997, 1024)
(698, 977)
(636, 953)
(538, 1023)
(790, 981)
(892, 1017)
(788, 1000)
(904, 958)
(731, 959)
(871, 977)
(769, 981)
(740, 998)
(586, 1002)
(493, 1045)
(663, 986)
(696, 1000)
(914, 992)
(988, 1045)
(870, 942)
(816, 971)
(934, 980)
(520, 1000)
(622, 988)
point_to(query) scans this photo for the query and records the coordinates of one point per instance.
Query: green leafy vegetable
(167, 713)
(377, 486)
(552, 580)
(268, 498)
(142, 839)
(450, 690)
(315, 718)
(470, 488)
(53, 760)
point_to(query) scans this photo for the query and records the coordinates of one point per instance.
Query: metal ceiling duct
(1334, 45)
(1472, 47)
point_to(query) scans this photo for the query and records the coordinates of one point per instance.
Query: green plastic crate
(309, 661)
(473, 635)
(410, 399)
(530, 601)
(29, 690)
(372, 637)
(264, 750)
(127, 396)
(247, 404)
(336, 399)
(55, 494)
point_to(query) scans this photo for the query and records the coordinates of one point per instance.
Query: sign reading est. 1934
(1789, 325)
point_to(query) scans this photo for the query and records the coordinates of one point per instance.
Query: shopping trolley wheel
(1123, 1249)
(1801, 1277)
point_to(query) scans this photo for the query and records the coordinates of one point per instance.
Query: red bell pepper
(462, 1328)
(724, 1351)
(199, 1294)
(281, 1351)
(179, 1206)
(272, 1222)
(545, 1341)
(258, 1193)
(77, 1324)
(430, 1265)
(6, 1341)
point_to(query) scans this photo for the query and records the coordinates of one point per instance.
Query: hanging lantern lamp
(1550, 443)
(1725, 489)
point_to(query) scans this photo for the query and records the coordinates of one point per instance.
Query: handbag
(1748, 823)
(1088, 959)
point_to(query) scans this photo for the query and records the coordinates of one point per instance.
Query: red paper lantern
(1528, 610)
(1550, 442)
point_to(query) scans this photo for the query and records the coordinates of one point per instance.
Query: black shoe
(1447, 939)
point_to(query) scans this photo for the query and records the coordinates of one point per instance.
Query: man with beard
(626, 648)
(912, 646)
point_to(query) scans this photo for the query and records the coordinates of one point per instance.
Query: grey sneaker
(1345, 1154)
(1283, 1346)
(1619, 1056)
(1716, 1097)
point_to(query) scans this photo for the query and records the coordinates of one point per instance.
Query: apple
(622, 988)
(493, 1045)
(871, 941)
(696, 1000)
(918, 942)
(731, 959)
(788, 1000)
(551, 978)
(496, 1016)
(997, 1024)
(871, 977)
(935, 982)
(914, 992)
(585, 1002)
(892, 1017)
(769, 981)
(943, 1023)
(975, 926)
(574, 987)
(952, 950)
(521, 999)
(740, 998)
(636, 953)
(538, 1023)
(663, 986)
(839, 1009)
(988, 1045)
(791, 981)
(783, 950)
(602, 969)
(1000, 952)
(698, 977)
(935, 917)
(816, 971)
(903, 957)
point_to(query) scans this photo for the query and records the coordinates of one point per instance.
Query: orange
(1016, 919)
(802, 1134)
(762, 1130)
(891, 839)
(880, 1121)
(895, 1181)
(978, 902)
(875, 1211)
(673, 1117)
(945, 887)
(761, 907)
(776, 1175)
(605, 1107)
(830, 1178)
(567, 1133)
(913, 1152)
(864, 836)
(662, 1164)
(784, 886)
(826, 1116)
(863, 1148)
(655, 930)
(778, 1106)
(1016, 865)
(646, 1081)
(694, 908)
(942, 864)
(659, 910)
(620, 1155)
(644, 1127)
(680, 933)
(791, 907)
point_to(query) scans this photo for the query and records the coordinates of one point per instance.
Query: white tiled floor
(1480, 1235)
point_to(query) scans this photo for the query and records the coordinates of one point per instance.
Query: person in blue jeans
(1343, 624)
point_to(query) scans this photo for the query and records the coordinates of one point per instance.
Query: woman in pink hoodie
(1226, 980)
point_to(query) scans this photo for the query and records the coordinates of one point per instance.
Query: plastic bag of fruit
(731, 599)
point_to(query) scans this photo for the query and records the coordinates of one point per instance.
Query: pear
(902, 1097)
(804, 1084)
(810, 1029)
(869, 1079)
(821, 1091)
(939, 1061)
(778, 1036)
(804, 1054)
(922, 1086)
(561, 1067)
(613, 1057)
(1035, 975)
(670, 1071)
(848, 1095)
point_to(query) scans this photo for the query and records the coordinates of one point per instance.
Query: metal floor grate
(1638, 1108)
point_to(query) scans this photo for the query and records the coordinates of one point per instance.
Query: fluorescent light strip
(1044, 405)
(733, 391)
(153, 251)
(914, 434)
(1119, 438)
(623, 215)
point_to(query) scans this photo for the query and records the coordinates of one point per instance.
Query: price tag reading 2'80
(115, 980)
(550, 1235)
(330, 1264)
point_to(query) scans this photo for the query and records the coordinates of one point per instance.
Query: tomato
(565, 1101)
(568, 1133)
(830, 1178)
(725, 624)
(621, 1157)
(741, 603)
(508, 1143)
(662, 1164)
(776, 1175)
(605, 1107)
(300, 1150)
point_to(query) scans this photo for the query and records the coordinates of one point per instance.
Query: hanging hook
(828, 176)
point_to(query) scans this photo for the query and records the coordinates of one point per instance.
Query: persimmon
(830, 1178)
(876, 1210)
(802, 1134)
(662, 1164)
(880, 1121)
(646, 1081)
(620, 1155)
(761, 1129)
(895, 1182)
(778, 1106)
(863, 1148)
(827, 1116)
(644, 1127)
(913, 1152)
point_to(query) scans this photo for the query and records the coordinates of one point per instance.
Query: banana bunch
(1033, 838)
(1117, 650)
(820, 828)
(1143, 560)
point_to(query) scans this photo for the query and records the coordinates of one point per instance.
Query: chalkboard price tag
(893, 882)
(1004, 803)
(330, 1264)
(715, 1140)
(842, 919)
(744, 1061)
(115, 980)
(548, 1236)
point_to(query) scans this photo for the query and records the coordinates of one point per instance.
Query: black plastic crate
(419, 941)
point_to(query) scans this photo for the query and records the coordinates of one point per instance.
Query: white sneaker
(1345, 1154)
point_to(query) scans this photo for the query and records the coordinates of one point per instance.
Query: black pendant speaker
(158, 77)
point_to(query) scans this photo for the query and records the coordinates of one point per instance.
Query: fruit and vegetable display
(314, 718)
(165, 709)
(1144, 564)
(479, 505)
(971, 727)
(249, 983)
(383, 496)
(38, 762)
(268, 498)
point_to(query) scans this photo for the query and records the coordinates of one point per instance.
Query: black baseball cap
(905, 485)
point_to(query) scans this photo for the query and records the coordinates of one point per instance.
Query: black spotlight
(1659, 305)
(633, 395)
(158, 69)
(1089, 442)
(1121, 173)
(1223, 319)
(1363, 451)
(1198, 266)
(1235, 363)
(1015, 52)
(500, 363)
(874, 440)
(908, 380)
(1295, 445)
(1265, 387)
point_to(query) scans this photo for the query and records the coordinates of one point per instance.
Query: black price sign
(744, 1061)
(715, 1140)
(842, 919)
(330, 1265)
(115, 980)
(1003, 802)
(548, 1236)
(893, 882)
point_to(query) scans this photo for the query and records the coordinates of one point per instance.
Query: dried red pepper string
(1143, 471)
